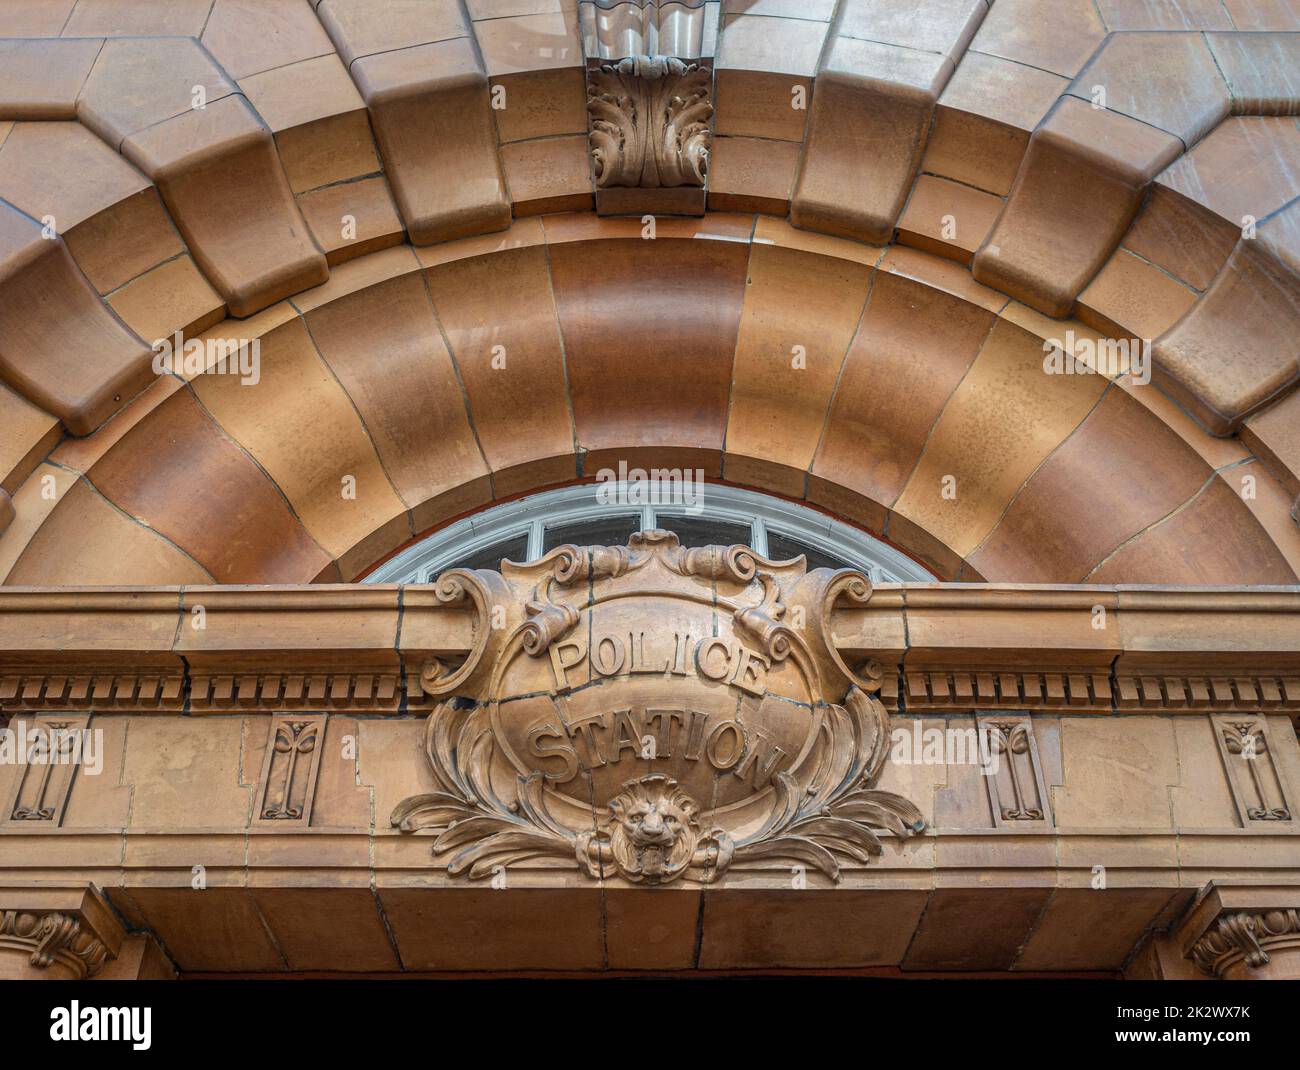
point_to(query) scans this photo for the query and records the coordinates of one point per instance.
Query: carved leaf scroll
(650, 122)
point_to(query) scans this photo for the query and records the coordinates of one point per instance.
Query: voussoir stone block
(60, 346)
(1235, 351)
(219, 175)
(429, 105)
(41, 79)
(1078, 190)
(866, 136)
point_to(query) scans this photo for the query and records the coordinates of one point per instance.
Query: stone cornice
(942, 647)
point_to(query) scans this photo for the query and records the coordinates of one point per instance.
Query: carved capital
(55, 931)
(1244, 932)
(1246, 939)
(52, 938)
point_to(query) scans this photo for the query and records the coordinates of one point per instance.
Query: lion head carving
(653, 835)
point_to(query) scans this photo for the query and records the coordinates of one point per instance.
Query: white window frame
(569, 505)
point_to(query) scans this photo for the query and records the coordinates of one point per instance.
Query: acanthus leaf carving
(650, 122)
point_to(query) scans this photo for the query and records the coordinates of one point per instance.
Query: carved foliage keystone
(650, 122)
(656, 713)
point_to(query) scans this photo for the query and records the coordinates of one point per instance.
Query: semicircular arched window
(589, 515)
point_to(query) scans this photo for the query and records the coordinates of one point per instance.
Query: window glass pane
(514, 548)
(782, 548)
(604, 531)
(703, 531)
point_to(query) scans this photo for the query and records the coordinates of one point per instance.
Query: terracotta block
(229, 336)
(752, 175)
(644, 930)
(984, 119)
(520, 410)
(357, 275)
(50, 318)
(898, 375)
(1001, 422)
(773, 928)
(1079, 187)
(129, 18)
(1272, 504)
(320, 928)
(1273, 435)
(172, 297)
(764, 70)
(1216, 452)
(6, 510)
(1120, 472)
(1166, 80)
(365, 27)
(220, 177)
(944, 26)
(218, 506)
(108, 213)
(28, 435)
(1240, 172)
(771, 231)
(1261, 69)
(1060, 38)
(41, 79)
(800, 313)
(1235, 350)
(583, 226)
(384, 346)
(1117, 774)
(776, 45)
(532, 928)
(33, 502)
(429, 106)
(1196, 545)
(671, 388)
(321, 127)
(250, 36)
(1133, 298)
(866, 136)
(140, 82)
(760, 104)
(519, 235)
(34, 18)
(548, 175)
(368, 203)
(955, 934)
(1253, 15)
(1185, 239)
(947, 218)
(543, 103)
(216, 929)
(77, 455)
(86, 540)
(313, 444)
(1163, 15)
(940, 274)
(1091, 929)
(514, 43)
(125, 241)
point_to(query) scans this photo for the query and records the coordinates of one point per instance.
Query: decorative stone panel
(1257, 782)
(290, 768)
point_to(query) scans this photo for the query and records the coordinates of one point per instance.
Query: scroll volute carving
(692, 696)
(650, 122)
